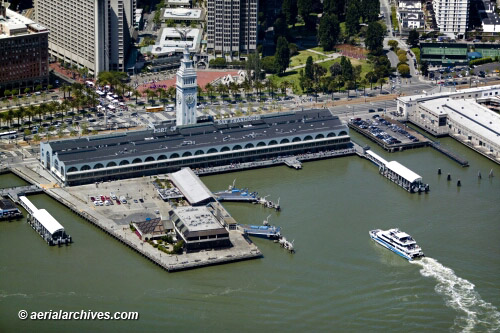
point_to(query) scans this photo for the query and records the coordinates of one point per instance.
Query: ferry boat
(263, 231)
(398, 242)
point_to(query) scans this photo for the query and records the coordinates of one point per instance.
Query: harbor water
(338, 279)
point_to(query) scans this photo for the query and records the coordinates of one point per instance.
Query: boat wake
(460, 295)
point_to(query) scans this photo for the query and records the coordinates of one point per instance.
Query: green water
(338, 280)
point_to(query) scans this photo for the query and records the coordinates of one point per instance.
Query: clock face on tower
(190, 99)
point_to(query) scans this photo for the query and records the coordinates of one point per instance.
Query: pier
(242, 247)
(45, 224)
(450, 154)
(15, 192)
(395, 172)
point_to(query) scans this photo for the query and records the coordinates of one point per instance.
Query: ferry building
(170, 148)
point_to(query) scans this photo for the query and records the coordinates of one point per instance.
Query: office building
(232, 27)
(88, 33)
(452, 17)
(23, 51)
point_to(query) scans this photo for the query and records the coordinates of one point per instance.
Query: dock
(293, 162)
(450, 154)
(395, 172)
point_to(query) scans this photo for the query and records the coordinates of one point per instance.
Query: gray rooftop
(171, 139)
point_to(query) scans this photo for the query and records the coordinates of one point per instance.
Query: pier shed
(402, 176)
(48, 227)
(191, 186)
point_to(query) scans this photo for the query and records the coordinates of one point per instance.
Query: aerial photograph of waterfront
(250, 165)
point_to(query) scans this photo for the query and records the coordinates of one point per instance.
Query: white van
(112, 195)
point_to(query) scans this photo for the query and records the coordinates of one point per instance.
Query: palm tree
(151, 95)
(364, 82)
(381, 81)
(40, 111)
(147, 93)
(171, 93)
(258, 86)
(222, 89)
(19, 113)
(284, 85)
(9, 116)
(371, 77)
(161, 93)
(66, 89)
(136, 94)
(209, 89)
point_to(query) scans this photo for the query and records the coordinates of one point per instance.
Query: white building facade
(452, 16)
(187, 92)
(232, 26)
(95, 34)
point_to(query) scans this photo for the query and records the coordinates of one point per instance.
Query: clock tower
(187, 91)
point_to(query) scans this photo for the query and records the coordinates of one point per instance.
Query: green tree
(308, 73)
(170, 23)
(290, 10)
(413, 38)
(347, 69)
(282, 55)
(305, 8)
(404, 69)
(372, 78)
(352, 18)
(254, 67)
(269, 65)
(335, 7)
(328, 32)
(374, 36)
(424, 68)
(393, 44)
(349, 85)
(280, 27)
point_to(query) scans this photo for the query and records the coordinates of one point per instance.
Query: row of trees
(314, 77)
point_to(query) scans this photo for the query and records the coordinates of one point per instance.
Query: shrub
(480, 61)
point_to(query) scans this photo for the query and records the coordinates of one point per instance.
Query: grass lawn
(293, 76)
(416, 51)
(301, 58)
(320, 49)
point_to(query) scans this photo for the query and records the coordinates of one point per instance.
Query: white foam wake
(460, 295)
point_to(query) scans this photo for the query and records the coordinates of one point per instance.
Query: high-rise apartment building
(24, 57)
(232, 26)
(452, 16)
(88, 33)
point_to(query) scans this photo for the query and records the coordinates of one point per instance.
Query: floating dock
(396, 172)
(45, 224)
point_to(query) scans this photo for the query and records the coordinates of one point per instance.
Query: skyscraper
(24, 60)
(187, 91)
(232, 26)
(88, 33)
(452, 16)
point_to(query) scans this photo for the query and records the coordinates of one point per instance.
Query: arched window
(136, 160)
(343, 133)
(296, 139)
(261, 144)
(273, 142)
(330, 135)
(212, 150)
(186, 154)
(110, 164)
(72, 169)
(174, 155)
(85, 167)
(249, 145)
(162, 157)
(124, 162)
(284, 141)
(149, 159)
(62, 171)
(199, 152)
(98, 166)
(308, 137)
(319, 136)
(237, 147)
(225, 148)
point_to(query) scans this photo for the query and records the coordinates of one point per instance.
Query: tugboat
(398, 242)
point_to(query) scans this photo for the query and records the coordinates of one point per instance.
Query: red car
(118, 202)
(103, 198)
(92, 198)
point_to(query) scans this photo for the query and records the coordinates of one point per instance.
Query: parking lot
(123, 201)
(387, 132)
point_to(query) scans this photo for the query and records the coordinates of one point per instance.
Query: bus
(8, 135)
(155, 109)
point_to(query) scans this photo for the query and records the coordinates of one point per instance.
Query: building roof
(29, 205)
(15, 24)
(422, 97)
(191, 186)
(171, 42)
(182, 13)
(49, 222)
(377, 157)
(6, 205)
(470, 114)
(198, 222)
(403, 171)
(169, 139)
